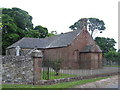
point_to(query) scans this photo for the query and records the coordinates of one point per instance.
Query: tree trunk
(57, 74)
(91, 33)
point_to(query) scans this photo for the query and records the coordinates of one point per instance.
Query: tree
(56, 65)
(79, 24)
(21, 18)
(106, 44)
(52, 33)
(112, 56)
(42, 30)
(16, 24)
(32, 33)
(9, 32)
(92, 24)
(119, 50)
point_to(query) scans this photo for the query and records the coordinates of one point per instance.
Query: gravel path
(104, 83)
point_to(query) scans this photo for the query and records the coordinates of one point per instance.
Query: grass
(112, 65)
(60, 85)
(53, 76)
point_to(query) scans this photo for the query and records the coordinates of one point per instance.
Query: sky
(58, 15)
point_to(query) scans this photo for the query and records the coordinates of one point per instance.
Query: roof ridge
(63, 33)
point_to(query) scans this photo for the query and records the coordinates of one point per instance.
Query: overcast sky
(58, 15)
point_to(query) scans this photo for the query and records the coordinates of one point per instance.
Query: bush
(56, 65)
(112, 56)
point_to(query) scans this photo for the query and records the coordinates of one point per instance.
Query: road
(113, 86)
(111, 82)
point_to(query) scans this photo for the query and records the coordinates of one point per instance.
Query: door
(85, 61)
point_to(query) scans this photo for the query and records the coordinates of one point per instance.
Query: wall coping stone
(37, 53)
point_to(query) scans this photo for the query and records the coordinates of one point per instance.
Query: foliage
(112, 66)
(112, 56)
(52, 33)
(119, 50)
(42, 30)
(32, 33)
(79, 24)
(92, 24)
(56, 65)
(106, 44)
(16, 24)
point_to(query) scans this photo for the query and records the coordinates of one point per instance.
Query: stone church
(77, 49)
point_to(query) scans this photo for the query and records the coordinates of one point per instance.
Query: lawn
(111, 66)
(60, 85)
(52, 75)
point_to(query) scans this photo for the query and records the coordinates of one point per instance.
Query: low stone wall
(55, 81)
(17, 69)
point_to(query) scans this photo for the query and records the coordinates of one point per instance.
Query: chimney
(83, 24)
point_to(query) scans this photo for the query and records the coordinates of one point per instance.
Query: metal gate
(47, 71)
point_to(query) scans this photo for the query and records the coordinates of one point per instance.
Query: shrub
(56, 65)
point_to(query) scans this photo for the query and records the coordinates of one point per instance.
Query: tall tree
(118, 50)
(16, 24)
(92, 24)
(106, 44)
(42, 30)
(21, 18)
(112, 56)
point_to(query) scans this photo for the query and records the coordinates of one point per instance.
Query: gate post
(37, 66)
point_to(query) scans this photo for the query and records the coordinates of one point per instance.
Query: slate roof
(60, 40)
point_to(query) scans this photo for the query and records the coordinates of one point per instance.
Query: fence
(49, 73)
(110, 62)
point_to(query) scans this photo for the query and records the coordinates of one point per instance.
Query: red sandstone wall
(76, 46)
(57, 53)
(70, 54)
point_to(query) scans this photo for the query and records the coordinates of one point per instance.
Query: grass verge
(111, 66)
(52, 75)
(60, 85)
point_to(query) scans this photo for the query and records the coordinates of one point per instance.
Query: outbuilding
(77, 49)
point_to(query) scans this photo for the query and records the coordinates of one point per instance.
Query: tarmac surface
(111, 82)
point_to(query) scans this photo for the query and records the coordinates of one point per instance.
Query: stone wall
(17, 69)
(12, 51)
(62, 80)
